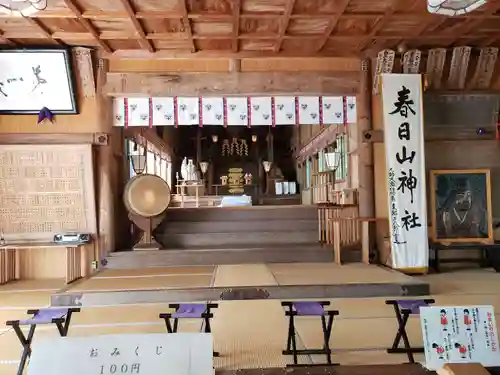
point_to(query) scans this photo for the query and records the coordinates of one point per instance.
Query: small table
(10, 260)
(488, 256)
(60, 317)
(403, 309)
(309, 308)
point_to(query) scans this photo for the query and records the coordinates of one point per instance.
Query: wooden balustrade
(340, 227)
(323, 186)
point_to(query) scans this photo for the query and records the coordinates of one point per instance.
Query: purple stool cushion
(309, 308)
(190, 310)
(413, 305)
(45, 316)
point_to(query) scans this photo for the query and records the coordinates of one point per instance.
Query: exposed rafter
(381, 21)
(236, 24)
(187, 23)
(285, 20)
(87, 25)
(43, 30)
(6, 41)
(332, 25)
(143, 42)
(471, 24)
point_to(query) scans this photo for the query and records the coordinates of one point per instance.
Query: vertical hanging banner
(404, 149)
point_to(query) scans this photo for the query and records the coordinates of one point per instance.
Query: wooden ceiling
(188, 28)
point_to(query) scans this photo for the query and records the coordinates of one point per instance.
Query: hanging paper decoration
(333, 110)
(188, 111)
(284, 110)
(163, 111)
(45, 114)
(138, 112)
(261, 111)
(213, 111)
(453, 7)
(229, 111)
(309, 110)
(237, 111)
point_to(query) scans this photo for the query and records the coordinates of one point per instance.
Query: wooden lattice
(46, 189)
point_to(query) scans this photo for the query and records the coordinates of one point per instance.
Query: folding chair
(403, 309)
(189, 311)
(60, 317)
(308, 308)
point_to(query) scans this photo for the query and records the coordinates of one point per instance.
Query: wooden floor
(249, 334)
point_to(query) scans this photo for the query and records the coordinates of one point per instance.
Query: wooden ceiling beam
(195, 84)
(471, 24)
(381, 21)
(236, 25)
(43, 30)
(143, 42)
(332, 25)
(285, 20)
(110, 35)
(187, 23)
(87, 25)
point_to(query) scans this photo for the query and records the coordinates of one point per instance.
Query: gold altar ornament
(236, 180)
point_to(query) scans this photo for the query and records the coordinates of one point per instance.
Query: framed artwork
(33, 79)
(461, 206)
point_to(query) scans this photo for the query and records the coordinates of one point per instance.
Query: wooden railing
(340, 227)
(323, 186)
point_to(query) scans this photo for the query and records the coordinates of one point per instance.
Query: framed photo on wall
(461, 206)
(32, 79)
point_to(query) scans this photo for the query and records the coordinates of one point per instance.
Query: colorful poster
(459, 334)
(405, 160)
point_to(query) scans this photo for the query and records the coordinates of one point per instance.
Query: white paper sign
(30, 81)
(459, 334)
(151, 354)
(404, 149)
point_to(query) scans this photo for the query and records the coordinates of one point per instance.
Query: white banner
(404, 149)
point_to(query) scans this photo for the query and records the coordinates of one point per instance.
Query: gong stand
(147, 225)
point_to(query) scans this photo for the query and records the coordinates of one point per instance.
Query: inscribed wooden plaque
(46, 189)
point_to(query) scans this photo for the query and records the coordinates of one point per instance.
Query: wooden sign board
(151, 354)
(46, 189)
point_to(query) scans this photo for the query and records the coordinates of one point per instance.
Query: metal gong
(147, 195)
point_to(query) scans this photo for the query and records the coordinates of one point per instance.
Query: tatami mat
(32, 285)
(158, 271)
(152, 282)
(243, 275)
(330, 273)
(252, 334)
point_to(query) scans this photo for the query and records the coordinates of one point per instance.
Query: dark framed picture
(32, 79)
(461, 206)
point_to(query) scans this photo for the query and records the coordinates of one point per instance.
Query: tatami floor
(249, 334)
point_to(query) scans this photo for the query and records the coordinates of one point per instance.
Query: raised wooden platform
(252, 281)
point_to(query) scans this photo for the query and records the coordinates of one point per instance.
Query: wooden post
(105, 167)
(336, 242)
(365, 242)
(365, 149)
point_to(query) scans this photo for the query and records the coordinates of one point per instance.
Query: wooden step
(187, 240)
(248, 255)
(260, 213)
(178, 227)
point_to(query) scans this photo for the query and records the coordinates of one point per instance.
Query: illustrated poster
(459, 334)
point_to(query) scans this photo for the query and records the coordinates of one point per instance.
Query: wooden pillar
(104, 168)
(365, 149)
